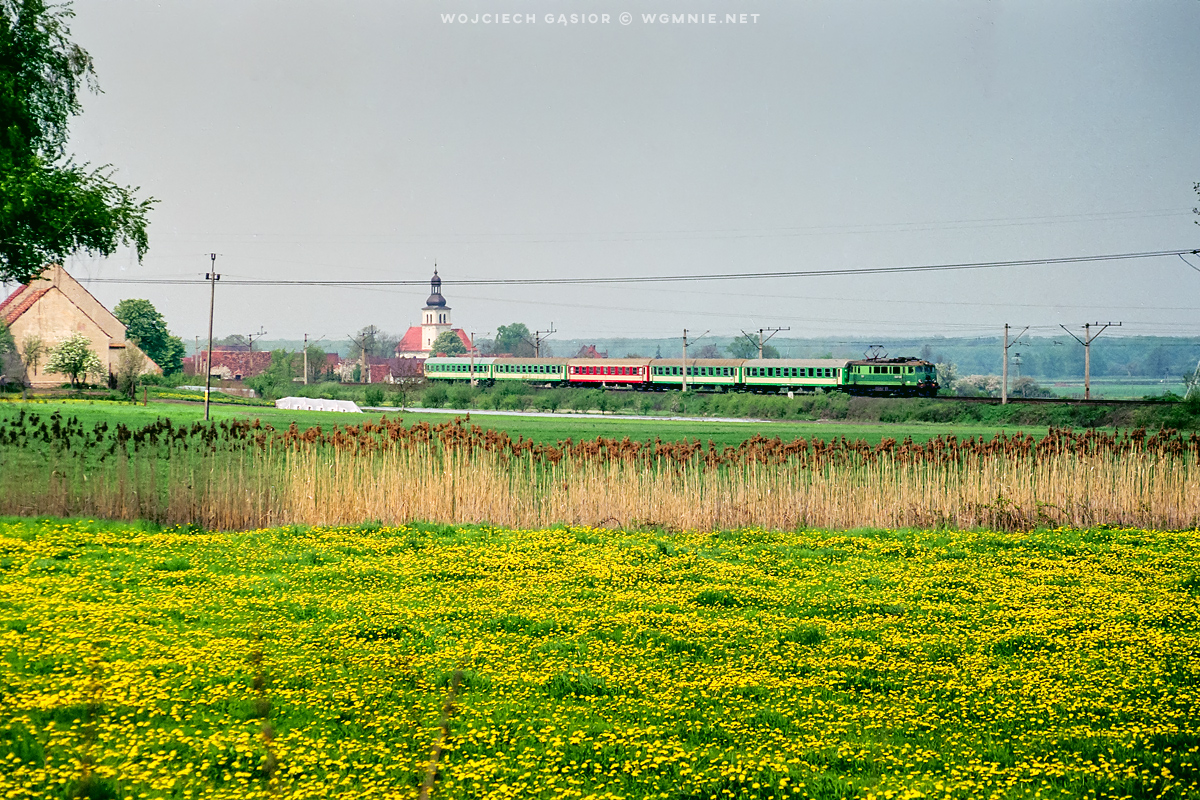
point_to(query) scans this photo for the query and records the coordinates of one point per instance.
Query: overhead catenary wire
(722, 276)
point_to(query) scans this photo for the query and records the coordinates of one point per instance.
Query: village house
(229, 363)
(54, 307)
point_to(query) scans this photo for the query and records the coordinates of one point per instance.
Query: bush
(514, 402)
(434, 397)
(461, 396)
(373, 396)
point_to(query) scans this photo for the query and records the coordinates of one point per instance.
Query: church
(435, 320)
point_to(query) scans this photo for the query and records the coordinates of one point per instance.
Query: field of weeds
(240, 474)
(138, 661)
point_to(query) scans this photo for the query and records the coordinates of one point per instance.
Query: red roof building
(230, 365)
(54, 307)
(417, 341)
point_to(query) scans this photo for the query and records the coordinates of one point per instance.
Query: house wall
(63, 311)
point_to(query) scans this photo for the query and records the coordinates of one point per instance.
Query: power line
(534, 237)
(724, 276)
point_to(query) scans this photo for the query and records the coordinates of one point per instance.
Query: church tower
(435, 317)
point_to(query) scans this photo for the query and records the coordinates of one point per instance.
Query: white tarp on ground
(317, 404)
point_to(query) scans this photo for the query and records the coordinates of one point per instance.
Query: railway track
(1066, 401)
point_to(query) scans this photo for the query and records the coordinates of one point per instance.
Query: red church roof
(411, 343)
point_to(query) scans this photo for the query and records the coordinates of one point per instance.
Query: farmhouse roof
(19, 302)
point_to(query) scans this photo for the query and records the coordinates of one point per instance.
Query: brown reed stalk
(238, 476)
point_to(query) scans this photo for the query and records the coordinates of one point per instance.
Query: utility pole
(684, 371)
(250, 337)
(1086, 341)
(761, 340)
(364, 366)
(538, 338)
(306, 359)
(474, 382)
(1008, 344)
(212, 279)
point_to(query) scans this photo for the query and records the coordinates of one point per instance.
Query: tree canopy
(377, 343)
(513, 339)
(147, 328)
(51, 207)
(742, 347)
(447, 343)
(75, 358)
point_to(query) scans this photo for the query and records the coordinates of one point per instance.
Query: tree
(75, 358)
(377, 343)
(316, 363)
(129, 371)
(742, 347)
(276, 381)
(1026, 387)
(147, 328)
(51, 207)
(708, 351)
(514, 339)
(11, 368)
(447, 343)
(33, 350)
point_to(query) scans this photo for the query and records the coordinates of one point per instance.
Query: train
(892, 377)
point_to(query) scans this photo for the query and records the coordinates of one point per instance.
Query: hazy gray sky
(365, 139)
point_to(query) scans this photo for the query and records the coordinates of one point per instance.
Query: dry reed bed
(241, 475)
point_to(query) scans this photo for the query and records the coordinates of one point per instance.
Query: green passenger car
(792, 374)
(550, 371)
(447, 368)
(709, 374)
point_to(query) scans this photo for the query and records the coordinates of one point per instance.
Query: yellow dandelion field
(571, 662)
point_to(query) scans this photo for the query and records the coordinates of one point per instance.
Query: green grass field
(541, 429)
(303, 663)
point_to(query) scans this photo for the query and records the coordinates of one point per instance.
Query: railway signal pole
(1008, 344)
(212, 278)
(1086, 341)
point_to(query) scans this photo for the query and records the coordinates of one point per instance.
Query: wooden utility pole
(212, 279)
(1086, 341)
(1008, 344)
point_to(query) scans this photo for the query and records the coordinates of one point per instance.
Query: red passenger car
(611, 372)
